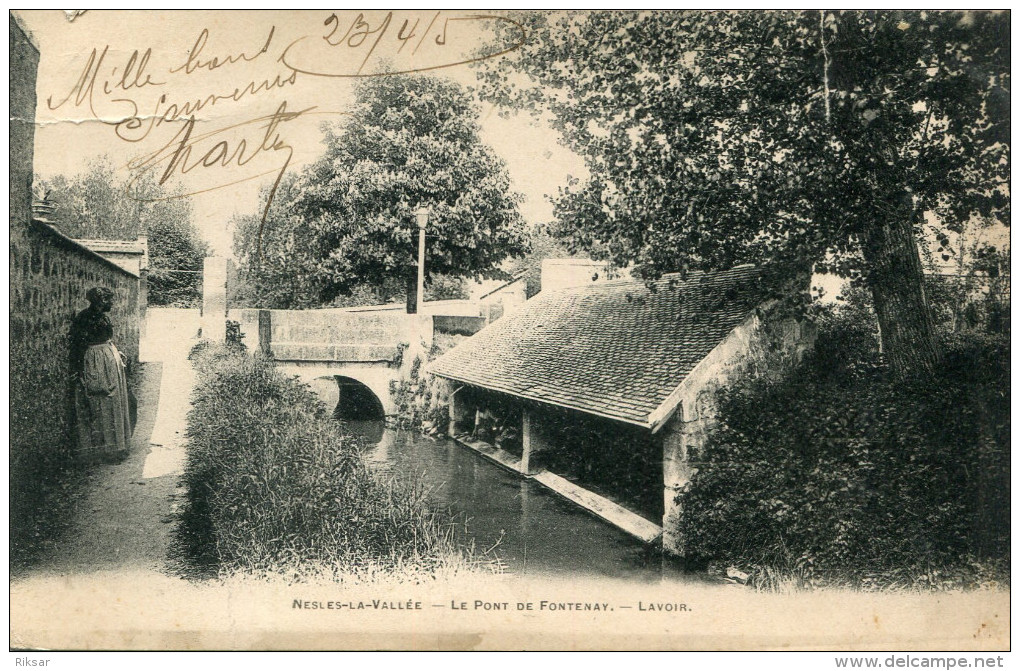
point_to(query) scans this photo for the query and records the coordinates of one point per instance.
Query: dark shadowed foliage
(840, 475)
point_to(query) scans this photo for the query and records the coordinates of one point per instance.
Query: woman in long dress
(101, 395)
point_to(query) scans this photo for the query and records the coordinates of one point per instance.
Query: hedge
(839, 474)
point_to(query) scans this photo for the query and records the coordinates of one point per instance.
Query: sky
(119, 83)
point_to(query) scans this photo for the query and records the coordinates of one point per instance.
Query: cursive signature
(135, 93)
(186, 152)
(135, 128)
(133, 75)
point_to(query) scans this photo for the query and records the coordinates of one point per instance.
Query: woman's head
(100, 298)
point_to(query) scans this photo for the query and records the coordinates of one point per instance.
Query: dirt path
(122, 522)
(125, 519)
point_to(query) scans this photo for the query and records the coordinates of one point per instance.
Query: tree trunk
(411, 282)
(896, 281)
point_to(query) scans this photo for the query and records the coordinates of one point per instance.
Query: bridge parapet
(304, 332)
(307, 351)
(337, 326)
(377, 349)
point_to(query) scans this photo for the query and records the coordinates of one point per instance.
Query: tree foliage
(787, 139)
(972, 292)
(278, 259)
(92, 204)
(97, 204)
(348, 220)
(176, 257)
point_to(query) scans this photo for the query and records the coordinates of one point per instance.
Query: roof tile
(616, 349)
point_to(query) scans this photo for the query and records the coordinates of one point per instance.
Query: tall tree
(98, 204)
(279, 256)
(410, 141)
(281, 260)
(788, 139)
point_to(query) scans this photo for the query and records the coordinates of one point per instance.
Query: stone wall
(766, 344)
(24, 62)
(339, 326)
(49, 276)
(338, 335)
(566, 273)
(459, 325)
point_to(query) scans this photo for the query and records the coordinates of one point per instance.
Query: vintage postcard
(510, 330)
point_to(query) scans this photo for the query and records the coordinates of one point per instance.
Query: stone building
(612, 386)
(568, 273)
(131, 255)
(24, 63)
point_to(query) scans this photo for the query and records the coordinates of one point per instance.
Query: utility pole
(422, 215)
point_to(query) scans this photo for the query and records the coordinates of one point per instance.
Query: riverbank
(276, 487)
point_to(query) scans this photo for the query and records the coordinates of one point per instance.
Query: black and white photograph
(511, 330)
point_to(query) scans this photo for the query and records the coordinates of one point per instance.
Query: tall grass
(276, 487)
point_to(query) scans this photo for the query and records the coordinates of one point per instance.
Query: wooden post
(451, 430)
(422, 216)
(526, 441)
(265, 332)
(214, 299)
(143, 277)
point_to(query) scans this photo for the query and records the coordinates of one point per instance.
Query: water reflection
(530, 529)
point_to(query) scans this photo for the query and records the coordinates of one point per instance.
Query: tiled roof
(616, 349)
(113, 246)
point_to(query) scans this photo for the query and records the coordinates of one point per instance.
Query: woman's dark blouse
(90, 327)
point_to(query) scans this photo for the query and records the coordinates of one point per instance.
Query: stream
(527, 527)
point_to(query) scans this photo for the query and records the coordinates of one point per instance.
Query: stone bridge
(352, 356)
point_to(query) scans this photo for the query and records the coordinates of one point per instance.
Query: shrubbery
(421, 404)
(275, 486)
(839, 474)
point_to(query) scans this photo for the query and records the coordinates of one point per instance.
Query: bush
(421, 402)
(275, 486)
(840, 475)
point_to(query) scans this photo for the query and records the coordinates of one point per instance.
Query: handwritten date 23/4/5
(347, 46)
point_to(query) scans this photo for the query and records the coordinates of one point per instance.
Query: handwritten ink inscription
(176, 108)
(364, 48)
(222, 148)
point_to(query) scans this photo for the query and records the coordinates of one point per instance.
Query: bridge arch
(325, 381)
(357, 400)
